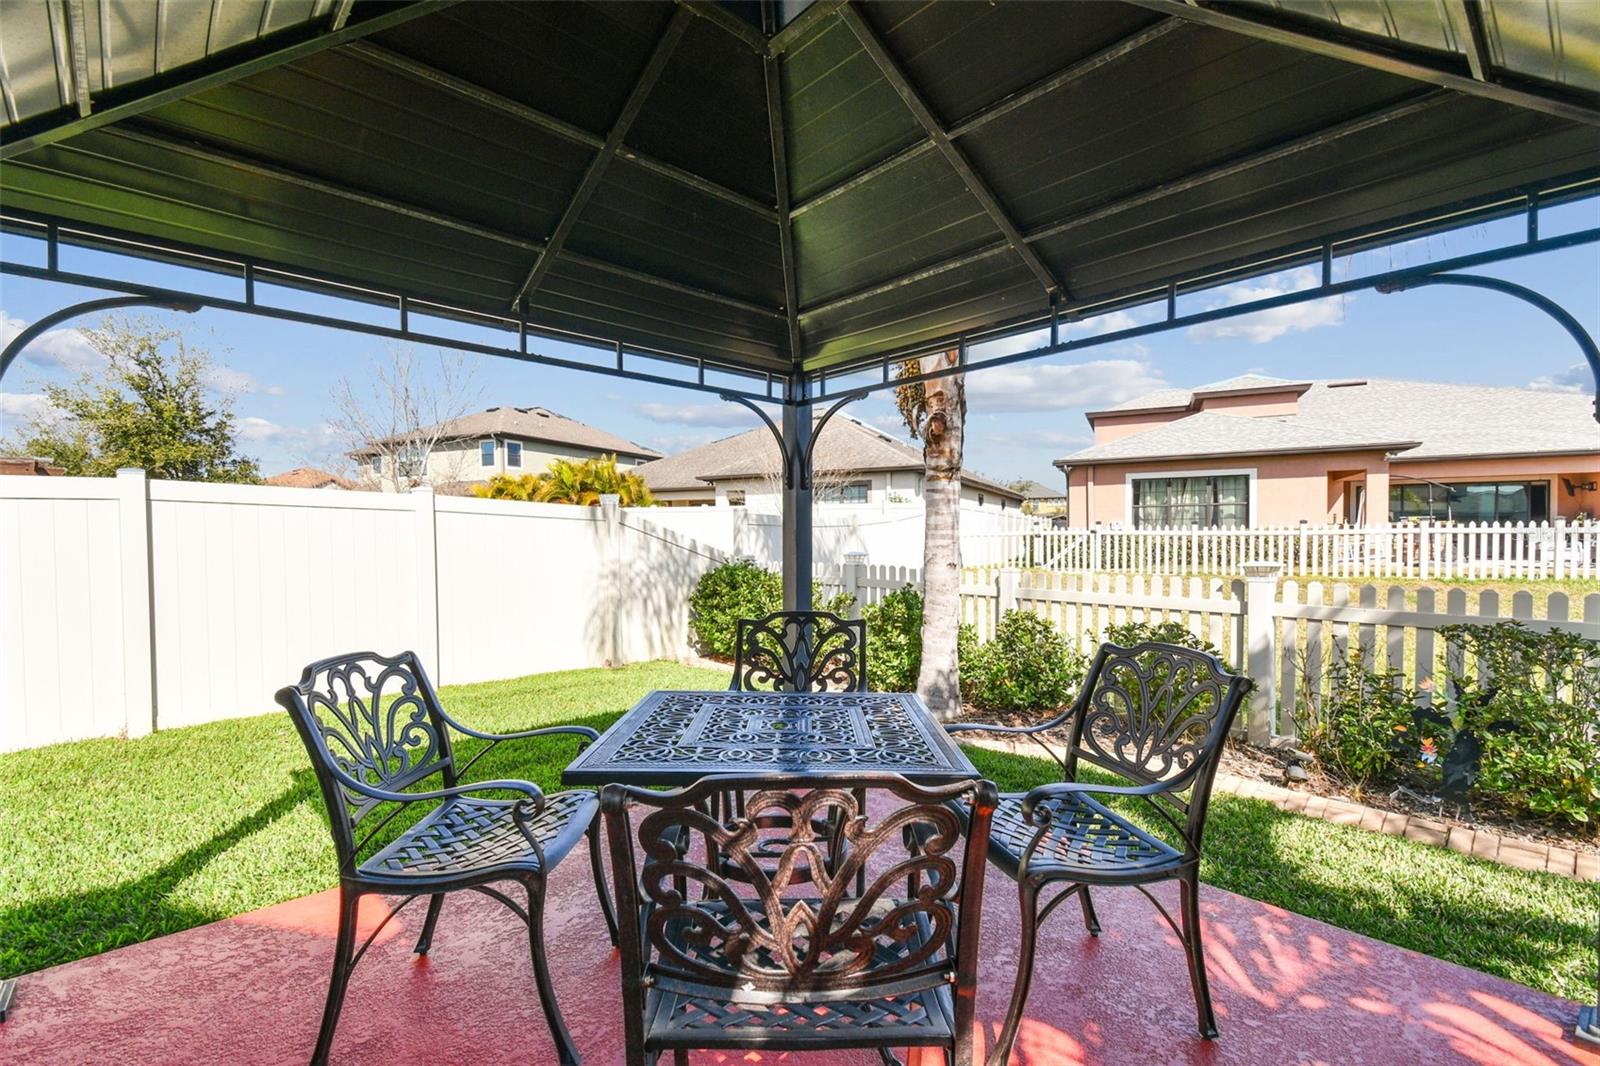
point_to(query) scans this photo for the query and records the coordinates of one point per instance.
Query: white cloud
(1097, 326)
(67, 349)
(673, 443)
(25, 405)
(1575, 378)
(1059, 387)
(722, 415)
(1264, 326)
(1025, 439)
(266, 431)
(227, 379)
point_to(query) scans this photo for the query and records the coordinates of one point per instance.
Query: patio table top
(678, 737)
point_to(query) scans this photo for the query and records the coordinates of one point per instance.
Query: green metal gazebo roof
(761, 192)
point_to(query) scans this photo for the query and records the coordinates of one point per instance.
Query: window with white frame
(410, 460)
(1208, 501)
(513, 453)
(486, 453)
(849, 492)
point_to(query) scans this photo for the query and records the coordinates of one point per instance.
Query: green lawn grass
(114, 841)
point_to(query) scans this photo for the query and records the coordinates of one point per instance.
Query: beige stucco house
(500, 440)
(1259, 451)
(854, 464)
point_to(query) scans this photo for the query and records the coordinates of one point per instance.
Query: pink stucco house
(1259, 451)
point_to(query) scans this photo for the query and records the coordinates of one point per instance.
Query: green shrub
(894, 640)
(1357, 727)
(1027, 666)
(1537, 717)
(741, 589)
(1130, 633)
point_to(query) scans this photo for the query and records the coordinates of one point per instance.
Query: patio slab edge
(1480, 843)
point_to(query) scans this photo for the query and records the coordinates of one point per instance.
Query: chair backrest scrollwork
(1157, 713)
(793, 926)
(371, 718)
(800, 651)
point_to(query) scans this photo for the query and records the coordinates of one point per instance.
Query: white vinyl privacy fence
(128, 604)
(1426, 551)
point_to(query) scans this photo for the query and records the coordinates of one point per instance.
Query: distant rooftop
(307, 477)
(1416, 419)
(542, 424)
(845, 446)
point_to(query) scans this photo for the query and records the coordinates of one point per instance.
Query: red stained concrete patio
(249, 990)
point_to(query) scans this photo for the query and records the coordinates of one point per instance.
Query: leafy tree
(581, 483)
(150, 409)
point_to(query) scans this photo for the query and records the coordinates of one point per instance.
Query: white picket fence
(1426, 551)
(1284, 639)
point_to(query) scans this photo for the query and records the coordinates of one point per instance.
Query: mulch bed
(1267, 765)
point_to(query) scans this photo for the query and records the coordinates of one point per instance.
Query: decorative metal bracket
(23, 339)
(1563, 317)
(796, 468)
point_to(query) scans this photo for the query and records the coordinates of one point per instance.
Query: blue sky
(282, 374)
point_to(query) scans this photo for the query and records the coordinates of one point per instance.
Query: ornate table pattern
(676, 738)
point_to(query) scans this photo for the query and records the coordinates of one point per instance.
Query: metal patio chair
(790, 962)
(1156, 715)
(800, 651)
(795, 651)
(375, 729)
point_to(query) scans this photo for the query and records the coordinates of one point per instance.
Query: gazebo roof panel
(915, 215)
(577, 62)
(842, 116)
(641, 220)
(107, 179)
(711, 73)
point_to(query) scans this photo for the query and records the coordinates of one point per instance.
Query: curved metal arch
(816, 435)
(23, 339)
(777, 435)
(1563, 317)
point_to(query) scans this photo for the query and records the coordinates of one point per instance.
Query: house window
(1219, 501)
(486, 453)
(1485, 501)
(852, 492)
(735, 497)
(513, 453)
(410, 460)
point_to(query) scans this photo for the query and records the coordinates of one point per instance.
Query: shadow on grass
(1534, 929)
(48, 931)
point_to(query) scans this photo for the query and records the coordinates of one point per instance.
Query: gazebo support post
(797, 539)
(1589, 1015)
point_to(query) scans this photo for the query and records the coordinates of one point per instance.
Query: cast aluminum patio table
(676, 738)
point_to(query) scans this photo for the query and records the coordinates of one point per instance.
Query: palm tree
(581, 483)
(936, 411)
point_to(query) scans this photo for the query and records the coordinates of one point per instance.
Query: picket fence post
(1260, 651)
(850, 574)
(138, 615)
(1006, 582)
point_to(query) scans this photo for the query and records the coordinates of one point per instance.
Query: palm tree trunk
(939, 679)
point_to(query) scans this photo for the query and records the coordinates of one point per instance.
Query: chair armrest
(986, 727)
(1057, 789)
(544, 731)
(531, 791)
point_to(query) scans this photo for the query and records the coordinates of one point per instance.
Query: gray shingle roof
(846, 446)
(542, 424)
(1184, 397)
(1420, 419)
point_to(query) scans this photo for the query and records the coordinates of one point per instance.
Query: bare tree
(936, 411)
(396, 422)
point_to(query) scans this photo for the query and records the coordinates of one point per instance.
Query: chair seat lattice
(1084, 837)
(468, 834)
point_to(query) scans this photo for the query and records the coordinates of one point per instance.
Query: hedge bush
(894, 640)
(1130, 633)
(1027, 666)
(741, 589)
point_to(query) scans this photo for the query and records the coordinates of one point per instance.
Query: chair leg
(1028, 899)
(344, 947)
(435, 905)
(680, 1057)
(566, 1050)
(607, 905)
(1091, 921)
(1189, 893)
